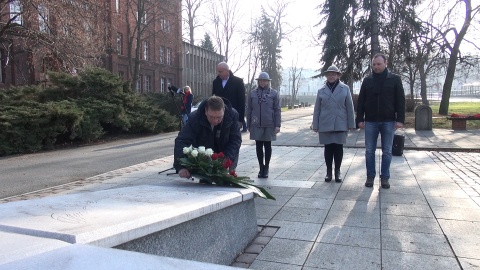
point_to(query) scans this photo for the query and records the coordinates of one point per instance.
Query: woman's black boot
(265, 171)
(328, 178)
(260, 173)
(337, 176)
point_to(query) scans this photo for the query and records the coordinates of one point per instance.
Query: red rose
(227, 163)
(214, 156)
(221, 155)
(233, 173)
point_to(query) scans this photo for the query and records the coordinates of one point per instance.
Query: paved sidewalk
(428, 219)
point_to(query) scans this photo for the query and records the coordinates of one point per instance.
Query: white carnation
(194, 153)
(201, 149)
(209, 152)
(186, 150)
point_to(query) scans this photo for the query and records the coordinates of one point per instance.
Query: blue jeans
(386, 131)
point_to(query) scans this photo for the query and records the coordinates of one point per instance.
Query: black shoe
(260, 173)
(338, 179)
(384, 183)
(265, 172)
(328, 177)
(369, 182)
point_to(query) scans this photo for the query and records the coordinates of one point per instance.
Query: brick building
(159, 44)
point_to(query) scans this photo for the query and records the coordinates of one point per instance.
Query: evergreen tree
(268, 38)
(207, 43)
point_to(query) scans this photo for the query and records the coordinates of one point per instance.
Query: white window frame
(119, 43)
(147, 83)
(145, 50)
(162, 85)
(16, 9)
(169, 56)
(117, 6)
(162, 54)
(43, 19)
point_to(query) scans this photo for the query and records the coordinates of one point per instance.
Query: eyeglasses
(215, 116)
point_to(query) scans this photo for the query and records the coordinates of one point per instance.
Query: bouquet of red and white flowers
(213, 167)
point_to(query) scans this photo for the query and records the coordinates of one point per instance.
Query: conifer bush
(81, 109)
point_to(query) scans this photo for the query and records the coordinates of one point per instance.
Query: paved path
(429, 219)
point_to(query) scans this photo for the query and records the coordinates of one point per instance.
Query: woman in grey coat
(263, 120)
(333, 117)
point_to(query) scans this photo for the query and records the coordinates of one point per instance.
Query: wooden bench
(460, 123)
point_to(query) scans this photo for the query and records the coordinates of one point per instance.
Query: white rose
(201, 149)
(209, 152)
(194, 153)
(186, 150)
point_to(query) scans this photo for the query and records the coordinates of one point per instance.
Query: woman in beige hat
(333, 117)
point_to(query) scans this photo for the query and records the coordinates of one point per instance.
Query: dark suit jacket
(234, 91)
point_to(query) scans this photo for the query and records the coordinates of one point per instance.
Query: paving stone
(421, 243)
(350, 236)
(329, 256)
(286, 251)
(394, 260)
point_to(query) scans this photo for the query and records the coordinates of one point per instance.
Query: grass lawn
(440, 121)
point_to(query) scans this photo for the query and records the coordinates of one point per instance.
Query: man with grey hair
(228, 86)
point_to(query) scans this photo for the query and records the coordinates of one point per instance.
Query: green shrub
(80, 108)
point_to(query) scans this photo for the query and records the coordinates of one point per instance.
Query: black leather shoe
(338, 179)
(328, 177)
(265, 172)
(384, 183)
(260, 173)
(369, 182)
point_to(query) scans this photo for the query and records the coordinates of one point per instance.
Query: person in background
(380, 110)
(333, 117)
(228, 86)
(186, 103)
(213, 125)
(263, 120)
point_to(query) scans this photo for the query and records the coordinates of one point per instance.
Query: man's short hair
(380, 55)
(223, 65)
(214, 103)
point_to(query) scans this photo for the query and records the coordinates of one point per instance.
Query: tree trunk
(375, 43)
(452, 63)
(423, 83)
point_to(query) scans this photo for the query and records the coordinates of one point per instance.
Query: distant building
(199, 69)
(160, 46)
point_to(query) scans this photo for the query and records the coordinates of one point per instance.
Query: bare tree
(191, 21)
(225, 19)
(145, 20)
(60, 36)
(294, 77)
(454, 47)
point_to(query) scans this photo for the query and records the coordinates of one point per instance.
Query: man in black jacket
(213, 125)
(380, 110)
(228, 86)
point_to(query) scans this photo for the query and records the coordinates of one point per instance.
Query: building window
(16, 12)
(162, 85)
(145, 50)
(162, 55)
(121, 74)
(117, 6)
(120, 43)
(169, 81)
(144, 18)
(2, 68)
(165, 25)
(169, 56)
(138, 85)
(147, 83)
(43, 19)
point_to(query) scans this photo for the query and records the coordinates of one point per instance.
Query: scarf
(378, 80)
(261, 96)
(332, 86)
